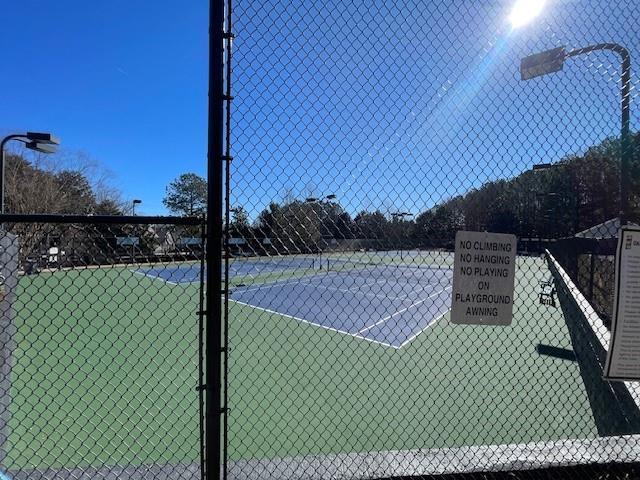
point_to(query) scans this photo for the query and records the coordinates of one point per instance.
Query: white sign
(483, 278)
(623, 358)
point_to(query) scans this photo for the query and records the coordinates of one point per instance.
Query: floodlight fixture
(36, 141)
(135, 202)
(41, 147)
(44, 138)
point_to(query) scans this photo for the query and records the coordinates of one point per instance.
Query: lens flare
(524, 11)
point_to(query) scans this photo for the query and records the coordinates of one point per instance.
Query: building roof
(608, 229)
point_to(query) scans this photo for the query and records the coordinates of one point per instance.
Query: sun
(524, 11)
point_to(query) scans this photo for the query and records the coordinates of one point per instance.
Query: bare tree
(69, 183)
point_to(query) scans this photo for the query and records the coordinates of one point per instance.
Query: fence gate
(362, 136)
(100, 347)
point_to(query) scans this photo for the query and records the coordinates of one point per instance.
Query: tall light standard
(576, 191)
(553, 60)
(36, 141)
(401, 216)
(133, 213)
(133, 206)
(322, 201)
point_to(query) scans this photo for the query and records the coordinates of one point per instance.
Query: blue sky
(391, 105)
(124, 81)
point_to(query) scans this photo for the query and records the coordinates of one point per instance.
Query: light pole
(322, 201)
(36, 141)
(133, 213)
(548, 212)
(576, 191)
(401, 216)
(133, 206)
(553, 60)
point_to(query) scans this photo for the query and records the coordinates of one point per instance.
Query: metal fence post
(9, 249)
(214, 241)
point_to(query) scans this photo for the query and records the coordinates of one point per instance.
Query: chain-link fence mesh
(99, 342)
(364, 135)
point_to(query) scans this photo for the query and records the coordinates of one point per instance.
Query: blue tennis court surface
(189, 273)
(386, 304)
(382, 304)
(174, 275)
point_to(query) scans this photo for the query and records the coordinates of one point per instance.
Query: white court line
(403, 310)
(275, 283)
(315, 276)
(156, 277)
(432, 322)
(284, 281)
(381, 282)
(386, 281)
(355, 335)
(320, 276)
(268, 285)
(355, 292)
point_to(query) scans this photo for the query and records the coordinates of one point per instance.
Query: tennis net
(381, 267)
(272, 264)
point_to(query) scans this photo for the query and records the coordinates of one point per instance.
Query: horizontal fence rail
(99, 219)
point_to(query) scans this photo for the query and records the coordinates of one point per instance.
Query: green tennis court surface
(298, 389)
(105, 371)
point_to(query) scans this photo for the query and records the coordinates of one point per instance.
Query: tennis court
(286, 338)
(386, 304)
(442, 389)
(247, 268)
(104, 371)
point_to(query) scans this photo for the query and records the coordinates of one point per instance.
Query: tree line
(576, 193)
(76, 185)
(40, 185)
(573, 194)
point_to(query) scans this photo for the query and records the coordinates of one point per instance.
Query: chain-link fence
(358, 138)
(364, 136)
(100, 347)
(590, 263)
